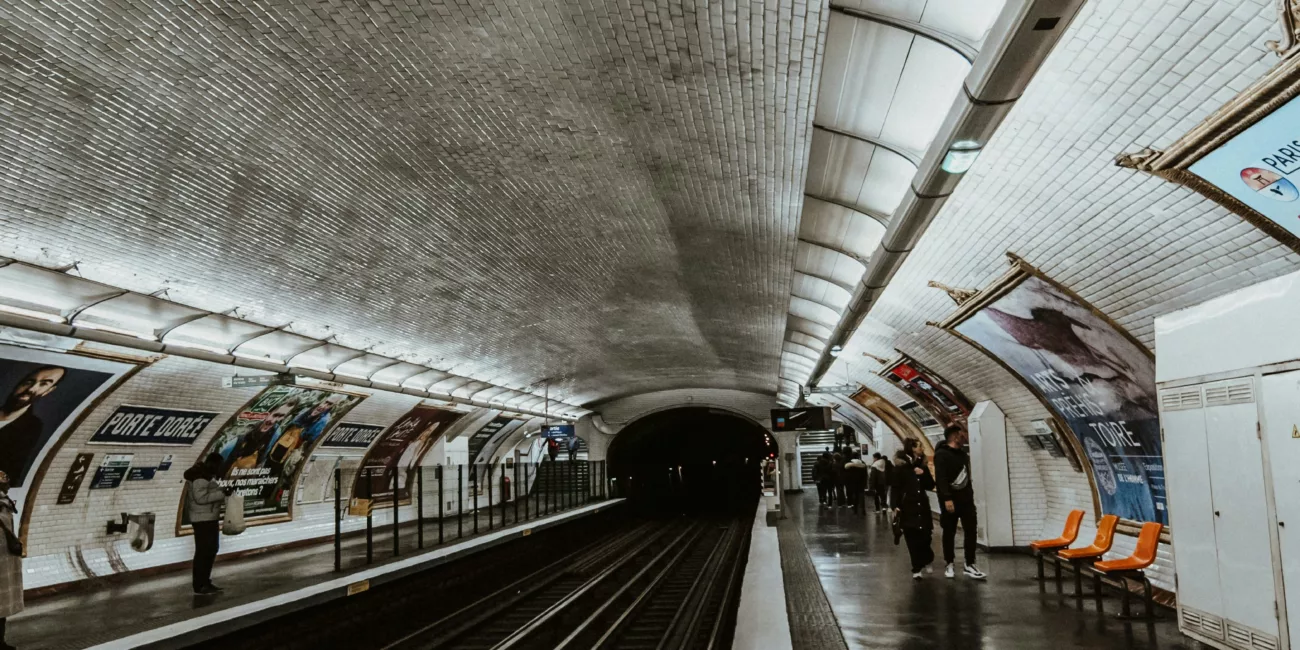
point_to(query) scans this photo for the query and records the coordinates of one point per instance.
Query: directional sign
(256, 381)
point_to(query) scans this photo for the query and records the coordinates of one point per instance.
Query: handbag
(234, 523)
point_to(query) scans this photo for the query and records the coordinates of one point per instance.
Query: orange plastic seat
(1071, 533)
(1143, 556)
(1133, 566)
(1100, 544)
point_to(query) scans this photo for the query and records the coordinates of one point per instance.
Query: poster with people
(264, 445)
(1096, 379)
(42, 394)
(396, 453)
(929, 390)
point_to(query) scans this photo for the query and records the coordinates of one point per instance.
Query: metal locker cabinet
(1241, 517)
(1280, 398)
(1191, 511)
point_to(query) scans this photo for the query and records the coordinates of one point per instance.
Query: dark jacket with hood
(907, 495)
(952, 474)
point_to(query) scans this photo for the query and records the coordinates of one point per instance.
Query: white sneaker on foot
(929, 569)
(916, 575)
(974, 573)
(948, 572)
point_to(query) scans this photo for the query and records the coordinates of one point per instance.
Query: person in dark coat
(855, 481)
(821, 475)
(837, 477)
(911, 509)
(956, 500)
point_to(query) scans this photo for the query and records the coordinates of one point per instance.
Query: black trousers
(964, 512)
(880, 499)
(919, 547)
(841, 495)
(856, 494)
(207, 539)
(823, 492)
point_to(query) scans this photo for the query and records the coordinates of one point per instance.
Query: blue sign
(147, 425)
(141, 473)
(558, 431)
(1261, 166)
(111, 471)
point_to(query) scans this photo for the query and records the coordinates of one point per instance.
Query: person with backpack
(911, 506)
(203, 501)
(956, 500)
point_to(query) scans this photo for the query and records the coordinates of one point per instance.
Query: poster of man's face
(1100, 383)
(41, 392)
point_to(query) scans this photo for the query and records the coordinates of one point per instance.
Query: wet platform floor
(867, 581)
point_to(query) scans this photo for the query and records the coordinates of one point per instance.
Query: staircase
(563, 477)
(811, 445)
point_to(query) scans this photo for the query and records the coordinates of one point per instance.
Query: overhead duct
(1019, 42)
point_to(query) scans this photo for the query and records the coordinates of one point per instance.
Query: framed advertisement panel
(396, 453)
(43, 396)
(1096, 379)
(265, 444)
(948, 406)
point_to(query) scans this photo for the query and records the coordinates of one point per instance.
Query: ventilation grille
(1181, 399)
(1207, 625)
(1242, 392)
(1240, 636)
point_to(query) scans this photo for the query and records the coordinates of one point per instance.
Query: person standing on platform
(911, 506)
(204, 498)
(573, 449)
(821, 475)
(855, 481)
(11, 560)
(837, 479)
(956, 500)
(880, 482)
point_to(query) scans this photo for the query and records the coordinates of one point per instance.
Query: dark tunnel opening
(691, 460)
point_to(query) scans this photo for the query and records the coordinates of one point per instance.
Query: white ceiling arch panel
(857, 172)
(820, 291)
(815, 312)
(931, 81)
(839, 228)
(828, 264)
(801, 351)
(967, 20)
(864, 63)
(811, 328)
(801, 338)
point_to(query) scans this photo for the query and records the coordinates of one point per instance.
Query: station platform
(848, 586)
(160, 611)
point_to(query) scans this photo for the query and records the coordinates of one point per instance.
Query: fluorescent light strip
(198, 346)
(31, 313)
(116, 330)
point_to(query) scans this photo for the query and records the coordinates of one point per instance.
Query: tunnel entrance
(691, 460)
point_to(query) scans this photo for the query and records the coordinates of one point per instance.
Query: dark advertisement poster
(1097, 380)
(264, 446)
(351, 435)
(41, 395)
(76, 474)
(481, 437)
(397, 451)
(938, 397)
(148, 425)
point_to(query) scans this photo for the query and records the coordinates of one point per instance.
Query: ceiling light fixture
(961, 156)
(836, 350)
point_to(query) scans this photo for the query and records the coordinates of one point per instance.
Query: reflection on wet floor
(868, 582)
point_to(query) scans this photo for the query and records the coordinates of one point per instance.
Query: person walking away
(855, 481)
(956, 500)
(552, 448)
(911, 506)
(837, 479)
(821, 471)
(880, 481)
(573, 449)
(204, 498)
(11, 560)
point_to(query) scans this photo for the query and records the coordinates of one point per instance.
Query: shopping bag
(234, 524)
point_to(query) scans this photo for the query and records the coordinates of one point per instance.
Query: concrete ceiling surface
(603, 194)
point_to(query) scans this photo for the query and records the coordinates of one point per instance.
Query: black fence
(468, 499)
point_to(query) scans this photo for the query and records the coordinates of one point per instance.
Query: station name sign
(1261, 166)
(148, 425)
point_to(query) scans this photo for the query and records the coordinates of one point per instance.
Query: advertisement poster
(1098, 381)
(1261, 167)
(147, 425)
(263, 446)
(41, 395)
(351, 435)
(398, 451)
(947, 406)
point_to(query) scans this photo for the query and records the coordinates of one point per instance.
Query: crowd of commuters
(900, 490)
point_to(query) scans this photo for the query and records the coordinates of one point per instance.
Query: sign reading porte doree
(147, 425)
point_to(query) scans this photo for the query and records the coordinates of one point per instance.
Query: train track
(655, 586)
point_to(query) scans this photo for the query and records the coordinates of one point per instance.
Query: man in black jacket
(956, 499)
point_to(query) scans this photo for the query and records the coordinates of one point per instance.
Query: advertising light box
(558, 431)
(1261, 166)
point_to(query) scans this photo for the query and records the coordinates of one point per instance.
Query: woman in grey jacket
(203, 500)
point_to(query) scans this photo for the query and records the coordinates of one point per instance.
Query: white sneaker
(916, 576)
(947, 572)
(929, 570)
(974, 573)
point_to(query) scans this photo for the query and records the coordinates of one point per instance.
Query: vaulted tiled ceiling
(605, 195)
